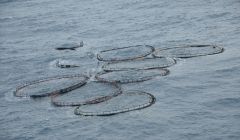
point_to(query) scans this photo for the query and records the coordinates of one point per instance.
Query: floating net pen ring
(120, 54)
(77, 97)
(148, 101)
(131, 76)
(63, 87)
(139, 64)
(188, 51)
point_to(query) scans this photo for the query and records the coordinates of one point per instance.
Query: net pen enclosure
(126, 102)
(91, 93)
(50, 86)
(131, 76)
(188, 51)
(125, 53)
(139, 64)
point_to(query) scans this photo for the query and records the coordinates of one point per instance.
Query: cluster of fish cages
(104, 96)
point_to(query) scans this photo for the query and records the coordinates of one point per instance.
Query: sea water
(199, 99)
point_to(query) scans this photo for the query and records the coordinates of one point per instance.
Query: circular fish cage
(90, 93)
(139, 64)
(131, 76)
(126, 102)
(188, 51)
(50, 86)
(125, 53)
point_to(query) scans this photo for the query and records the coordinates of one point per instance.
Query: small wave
(8, 1)
(229, 102)
(224, 103)
(218, 15)
(230, 72)
(2, 19)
